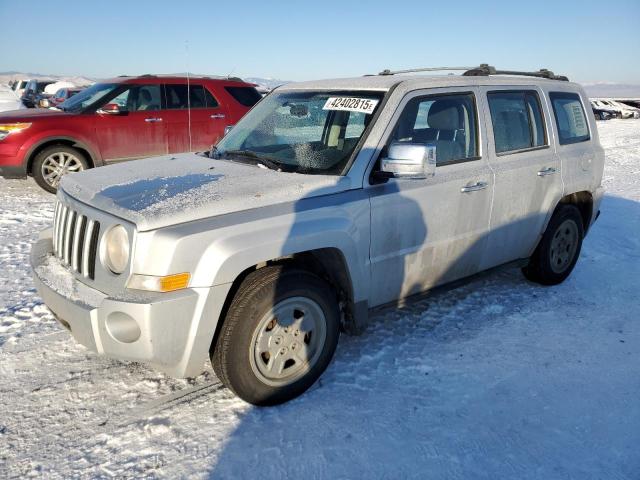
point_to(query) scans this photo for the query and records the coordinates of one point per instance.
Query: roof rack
(484, 70)
(428, 69)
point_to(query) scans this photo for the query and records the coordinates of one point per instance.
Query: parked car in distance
(628, 110)
(32, 90)
(327, 199)
(8, 99)
(606, 108)
(60, 96)
(124, 118)
(43, 100)
(602, 114)
(622, 110)
(18, 87)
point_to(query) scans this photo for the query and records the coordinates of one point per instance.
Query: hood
(168, 190)
(30, 114)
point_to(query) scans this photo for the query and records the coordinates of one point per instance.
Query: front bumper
(170, 331)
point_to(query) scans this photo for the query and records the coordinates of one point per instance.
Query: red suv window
(199, 97)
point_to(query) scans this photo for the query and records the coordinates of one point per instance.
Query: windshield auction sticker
(351, 104)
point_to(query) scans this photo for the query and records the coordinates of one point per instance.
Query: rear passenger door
(527, 181)
(195, 119)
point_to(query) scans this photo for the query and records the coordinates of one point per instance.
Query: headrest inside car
(444, 115)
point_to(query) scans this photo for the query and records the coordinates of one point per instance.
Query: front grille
(75, 240)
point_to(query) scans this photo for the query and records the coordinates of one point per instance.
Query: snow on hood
(162, 191)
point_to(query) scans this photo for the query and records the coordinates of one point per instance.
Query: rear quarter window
(570, 118)
(247, 96)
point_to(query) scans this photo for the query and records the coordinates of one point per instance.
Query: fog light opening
(122, 327)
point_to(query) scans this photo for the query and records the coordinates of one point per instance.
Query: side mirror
(410, 160)
(110, 109)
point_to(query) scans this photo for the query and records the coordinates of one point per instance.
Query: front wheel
(279, 335)
(52, 163)
(558, 250)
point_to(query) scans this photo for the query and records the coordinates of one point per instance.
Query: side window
(210, 99)
(517, 120)
(196, 96)
(199, 97)
(447, 122)
(247, 96)
(139, 98)
(570, 118)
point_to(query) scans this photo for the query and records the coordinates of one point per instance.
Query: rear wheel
(52, 163)
(279, 335)
(559, 248)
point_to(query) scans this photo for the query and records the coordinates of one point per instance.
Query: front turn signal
(152, 283)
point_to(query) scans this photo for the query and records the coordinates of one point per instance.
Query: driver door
(139, 130)
(431, 231)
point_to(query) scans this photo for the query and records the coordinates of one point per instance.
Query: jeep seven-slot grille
(75, 240)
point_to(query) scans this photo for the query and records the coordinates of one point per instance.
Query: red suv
(121, 119)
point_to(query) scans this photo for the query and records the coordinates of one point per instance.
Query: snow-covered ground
(499, 378)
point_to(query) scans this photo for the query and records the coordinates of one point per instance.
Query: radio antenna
(186, 47)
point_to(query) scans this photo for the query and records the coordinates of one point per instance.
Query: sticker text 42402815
(351, 104)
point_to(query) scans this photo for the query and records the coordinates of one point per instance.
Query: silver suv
(327, 199)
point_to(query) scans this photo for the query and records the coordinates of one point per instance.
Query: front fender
(217, 250)
(232, 255)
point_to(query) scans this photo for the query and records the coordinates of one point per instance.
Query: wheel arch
(328, 263)
(583, 200)
(35, 149)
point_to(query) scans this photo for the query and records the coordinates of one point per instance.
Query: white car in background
(9, 100)
(600, 106)
(19, 86)
(624, 111)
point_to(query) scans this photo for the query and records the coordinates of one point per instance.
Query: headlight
(7, 128)
(115, 251)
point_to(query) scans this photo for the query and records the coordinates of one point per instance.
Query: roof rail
(428, 69)
(484, 70)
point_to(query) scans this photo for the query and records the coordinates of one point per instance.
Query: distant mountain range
(612, 90)
(595, 89)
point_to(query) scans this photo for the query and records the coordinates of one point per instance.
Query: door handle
(152, 120)
(546, 171)
(218, 115)
(475, 187)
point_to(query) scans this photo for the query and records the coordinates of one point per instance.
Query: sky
(590, 41)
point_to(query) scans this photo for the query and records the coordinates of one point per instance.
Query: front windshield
(304, 132)
(87, 97)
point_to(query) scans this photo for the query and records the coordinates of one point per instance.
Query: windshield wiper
(266, 161)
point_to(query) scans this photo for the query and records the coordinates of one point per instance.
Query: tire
(559, 249)
(66, 159)
(255, 353)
